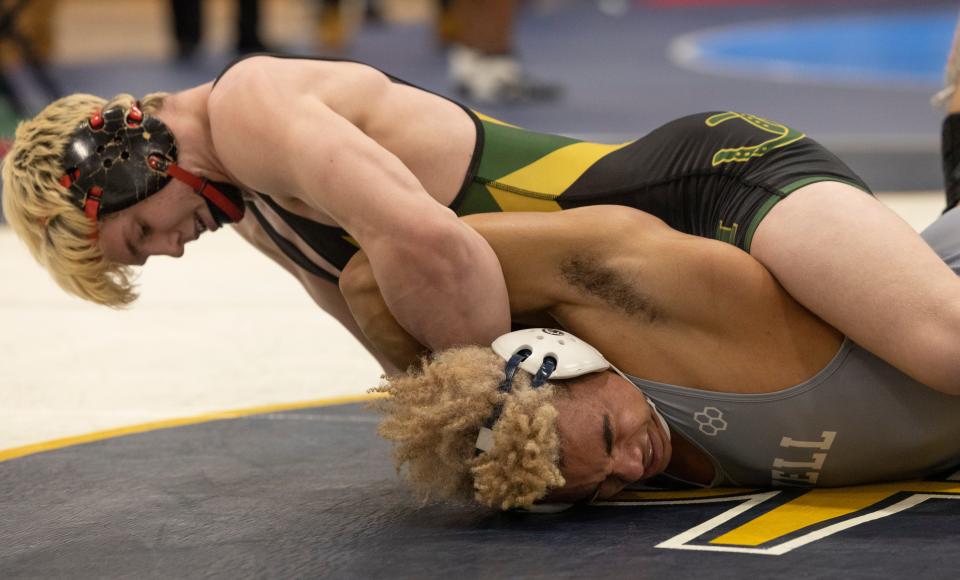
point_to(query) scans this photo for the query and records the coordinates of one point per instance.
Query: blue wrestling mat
(312, 493)
(895, 48)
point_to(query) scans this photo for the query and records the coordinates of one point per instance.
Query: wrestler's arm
(439, 277)
(377, 324)
(660, 304)
(516, 236)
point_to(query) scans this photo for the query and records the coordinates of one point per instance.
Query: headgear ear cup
(573, 357)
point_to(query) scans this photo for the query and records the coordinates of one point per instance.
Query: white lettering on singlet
(803, 468)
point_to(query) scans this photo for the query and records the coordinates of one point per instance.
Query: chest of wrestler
(438, 154)
(857, 421)
(311, 238)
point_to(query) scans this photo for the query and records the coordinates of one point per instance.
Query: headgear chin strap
(119, 157)
(546, 353)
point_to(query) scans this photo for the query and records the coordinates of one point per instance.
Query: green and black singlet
(714, 175)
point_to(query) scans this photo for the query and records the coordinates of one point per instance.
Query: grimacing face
(610, 438)
(162, 224)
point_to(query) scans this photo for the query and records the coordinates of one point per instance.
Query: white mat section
(223, 328)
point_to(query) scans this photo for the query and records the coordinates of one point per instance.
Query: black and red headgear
(119, 157)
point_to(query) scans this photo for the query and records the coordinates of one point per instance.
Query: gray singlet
(859, 420)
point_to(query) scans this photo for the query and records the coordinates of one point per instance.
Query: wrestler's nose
(166, 244)
(630, 461)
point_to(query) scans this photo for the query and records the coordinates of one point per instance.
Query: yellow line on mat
(8, 454)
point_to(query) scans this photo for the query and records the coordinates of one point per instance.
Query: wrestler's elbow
(440, 251)
(376, 321)
(447, 288)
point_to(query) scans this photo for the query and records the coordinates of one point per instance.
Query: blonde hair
(433, 415)
(41, 212)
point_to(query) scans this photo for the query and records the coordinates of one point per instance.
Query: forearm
(370, 312)
(384, 333)
(447, 290)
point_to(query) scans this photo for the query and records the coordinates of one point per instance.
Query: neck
(185, 113)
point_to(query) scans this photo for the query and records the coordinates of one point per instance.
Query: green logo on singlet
(784, 136)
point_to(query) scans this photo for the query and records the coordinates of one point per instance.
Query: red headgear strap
(92, 205)
(204, 188)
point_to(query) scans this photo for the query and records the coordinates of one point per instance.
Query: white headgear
(546, 353)
(573, 356)
(553, 354)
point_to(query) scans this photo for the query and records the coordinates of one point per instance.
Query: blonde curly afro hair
(433, 415)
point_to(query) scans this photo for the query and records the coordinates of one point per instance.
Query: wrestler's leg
(856, 264)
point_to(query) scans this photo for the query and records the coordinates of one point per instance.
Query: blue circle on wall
(908, 47)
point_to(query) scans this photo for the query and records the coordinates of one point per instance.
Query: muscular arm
(378, 325)
(659, 304)
(438, 277)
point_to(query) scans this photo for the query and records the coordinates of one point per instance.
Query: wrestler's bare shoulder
(263, 99)
(360, 93)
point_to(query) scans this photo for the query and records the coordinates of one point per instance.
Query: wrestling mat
(312, 493)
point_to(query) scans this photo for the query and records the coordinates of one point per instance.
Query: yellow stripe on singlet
(546, 178)
(490, 119)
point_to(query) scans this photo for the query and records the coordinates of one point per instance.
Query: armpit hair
(587, 274)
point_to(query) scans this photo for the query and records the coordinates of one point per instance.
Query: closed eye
(607, 434)
(608, 448)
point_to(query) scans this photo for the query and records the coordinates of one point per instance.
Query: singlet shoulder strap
(235, 61)
(289, 249)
